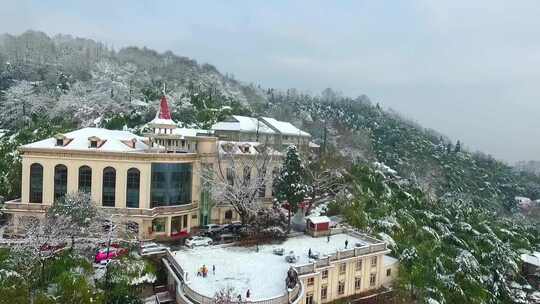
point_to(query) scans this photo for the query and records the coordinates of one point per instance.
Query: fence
(375, 246)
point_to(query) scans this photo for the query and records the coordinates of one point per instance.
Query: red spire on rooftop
(164, 112)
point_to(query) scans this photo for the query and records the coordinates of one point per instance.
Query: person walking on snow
(248, 293)
(346, 243)
(309, 253)
(214, 269)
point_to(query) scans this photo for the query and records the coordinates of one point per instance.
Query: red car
(113, 252)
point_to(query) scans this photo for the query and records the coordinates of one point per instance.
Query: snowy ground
(242, 268)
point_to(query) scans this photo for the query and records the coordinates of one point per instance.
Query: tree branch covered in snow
(239, 177)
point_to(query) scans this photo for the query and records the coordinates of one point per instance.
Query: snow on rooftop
(243, 268)
(188, 132)
(389, 261)
(285, 128)
(533, 259)
(319, 219)
(243, 124)
(78, 140)
(162, 121)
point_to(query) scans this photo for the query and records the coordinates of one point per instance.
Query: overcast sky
(470, 69)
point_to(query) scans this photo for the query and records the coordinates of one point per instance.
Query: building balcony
(17, 206)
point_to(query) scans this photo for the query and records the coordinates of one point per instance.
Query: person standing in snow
(346, 243)
(309, 253)
(248, 293)
(214, 269)
(328, 238)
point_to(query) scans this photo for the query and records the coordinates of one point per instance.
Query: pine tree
(290, 183)
(458, 147)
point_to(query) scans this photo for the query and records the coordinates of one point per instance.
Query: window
(309, 298)
(60, 181)
(388, 272)
(132, 227)
(228, 215)
(341, 288)
(85, 179)
(342, 268)
(132, 188)
(60, 142)
(310, 281)
(357, 283)
(158, 224)
(358, 265)
(262, 190)
(93, 144)
(171, 184)
(325, 274)
(36, 183)
(193, 216)
(176, 224)
(324, 292)
(230, 176)
(275, 175)
(247, 175)
(372, 279)
(109, 187)
(185, 221)
(374, 262)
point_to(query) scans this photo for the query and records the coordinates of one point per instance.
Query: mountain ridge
(80, 82)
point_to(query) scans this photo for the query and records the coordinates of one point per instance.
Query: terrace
(261, 271)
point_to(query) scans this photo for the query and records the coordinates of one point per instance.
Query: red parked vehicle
(113, 252)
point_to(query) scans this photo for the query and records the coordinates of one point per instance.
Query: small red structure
(318, 225)
(164, 112)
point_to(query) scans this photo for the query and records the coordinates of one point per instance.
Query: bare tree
(323, 185)
(240, 175)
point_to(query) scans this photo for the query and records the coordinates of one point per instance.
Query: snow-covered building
(531, 268)
(348, 265)
(151, 181)
(262, 129)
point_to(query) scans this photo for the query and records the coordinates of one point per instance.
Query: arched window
(109, 187)
(85, 179)
(228, 215)
(132, 188)
(60, 181)
(36, 183)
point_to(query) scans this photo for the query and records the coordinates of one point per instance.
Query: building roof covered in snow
(389, 261)
(93, 139)
(243, 124)
(283, 127)
(319, 219)
(533, 259)
(188, 132)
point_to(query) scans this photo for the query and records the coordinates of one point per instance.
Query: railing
(14, 205)
(198, 298)
(344, 254)
(17, 205)
(179, 272)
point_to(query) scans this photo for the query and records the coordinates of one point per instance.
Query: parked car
(151, 247)
(111, 253)
(198, 241)
(232, 227)
(211, 228)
